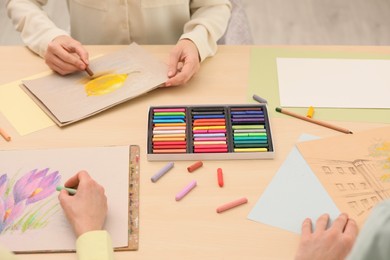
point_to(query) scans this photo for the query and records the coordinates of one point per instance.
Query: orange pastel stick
(5, 135)
(194, 166)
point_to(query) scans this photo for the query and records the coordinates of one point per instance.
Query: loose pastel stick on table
(310, 112)
(260, 99)
(186, 190)
(220, 177)
(5, 135)
(232, 205)
(162, 171)
(194, 166)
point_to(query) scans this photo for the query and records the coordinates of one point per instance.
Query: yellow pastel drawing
(105, 84)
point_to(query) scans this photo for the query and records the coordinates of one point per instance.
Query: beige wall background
(318, 22)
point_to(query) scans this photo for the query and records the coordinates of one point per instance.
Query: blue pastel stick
(168, 121)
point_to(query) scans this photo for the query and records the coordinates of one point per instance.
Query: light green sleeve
(373, 240)
(94, 245)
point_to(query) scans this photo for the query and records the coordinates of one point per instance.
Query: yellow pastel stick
(310, 112)
(167, 139)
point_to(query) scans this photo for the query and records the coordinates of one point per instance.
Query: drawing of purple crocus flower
(35, 185)
(9, 211)
(3, 184)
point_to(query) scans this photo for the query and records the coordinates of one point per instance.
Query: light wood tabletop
(190, 228)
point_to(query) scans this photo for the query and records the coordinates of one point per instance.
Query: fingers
(66, 55)
(307, 227)
(74, 181)
(351, 228)
(185, 53)
(340, 222)
(174, 59)
(322, 222)
(59, 66)
(83, 54)
(182, 77)
(64, 197)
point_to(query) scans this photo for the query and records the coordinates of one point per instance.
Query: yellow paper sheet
(20, 110)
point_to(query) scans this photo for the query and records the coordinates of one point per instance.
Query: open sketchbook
(30, 207)
(119, 77)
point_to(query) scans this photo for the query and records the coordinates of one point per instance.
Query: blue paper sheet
(294, 194)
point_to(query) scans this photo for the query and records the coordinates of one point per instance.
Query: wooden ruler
(134, 173)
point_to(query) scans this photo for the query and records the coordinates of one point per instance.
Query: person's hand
(65, 55)
(331, 243)
(184, 62)
(87, 209)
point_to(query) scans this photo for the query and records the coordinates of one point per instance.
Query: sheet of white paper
(294, 194)
(334, 83)
(109, 166)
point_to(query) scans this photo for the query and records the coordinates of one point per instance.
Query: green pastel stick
(70, 190)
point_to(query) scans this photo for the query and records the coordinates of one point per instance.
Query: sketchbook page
(334, 83)
(124, 74)
(353, 168)
(28, 179)
(294, 194)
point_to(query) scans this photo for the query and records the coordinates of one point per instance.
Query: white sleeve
(35, 27)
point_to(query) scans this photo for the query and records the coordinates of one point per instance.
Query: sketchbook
(118, 77)
(28, 180)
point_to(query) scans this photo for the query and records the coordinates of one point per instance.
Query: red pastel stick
(220, 177)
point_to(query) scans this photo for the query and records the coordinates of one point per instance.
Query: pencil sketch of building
(357, 183)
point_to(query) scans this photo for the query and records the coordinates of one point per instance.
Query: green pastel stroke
(36, 217)
(263, 81)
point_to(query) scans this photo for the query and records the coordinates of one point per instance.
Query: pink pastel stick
(231, 205)
(210, 139)
(169, 110)
(186, 190)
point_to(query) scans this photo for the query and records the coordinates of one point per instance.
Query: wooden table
(189, 229)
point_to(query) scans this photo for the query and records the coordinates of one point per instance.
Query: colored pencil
(314, 121)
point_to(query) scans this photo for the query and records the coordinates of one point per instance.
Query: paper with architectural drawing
(31, 218)
(119, 77)
(354, 169)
